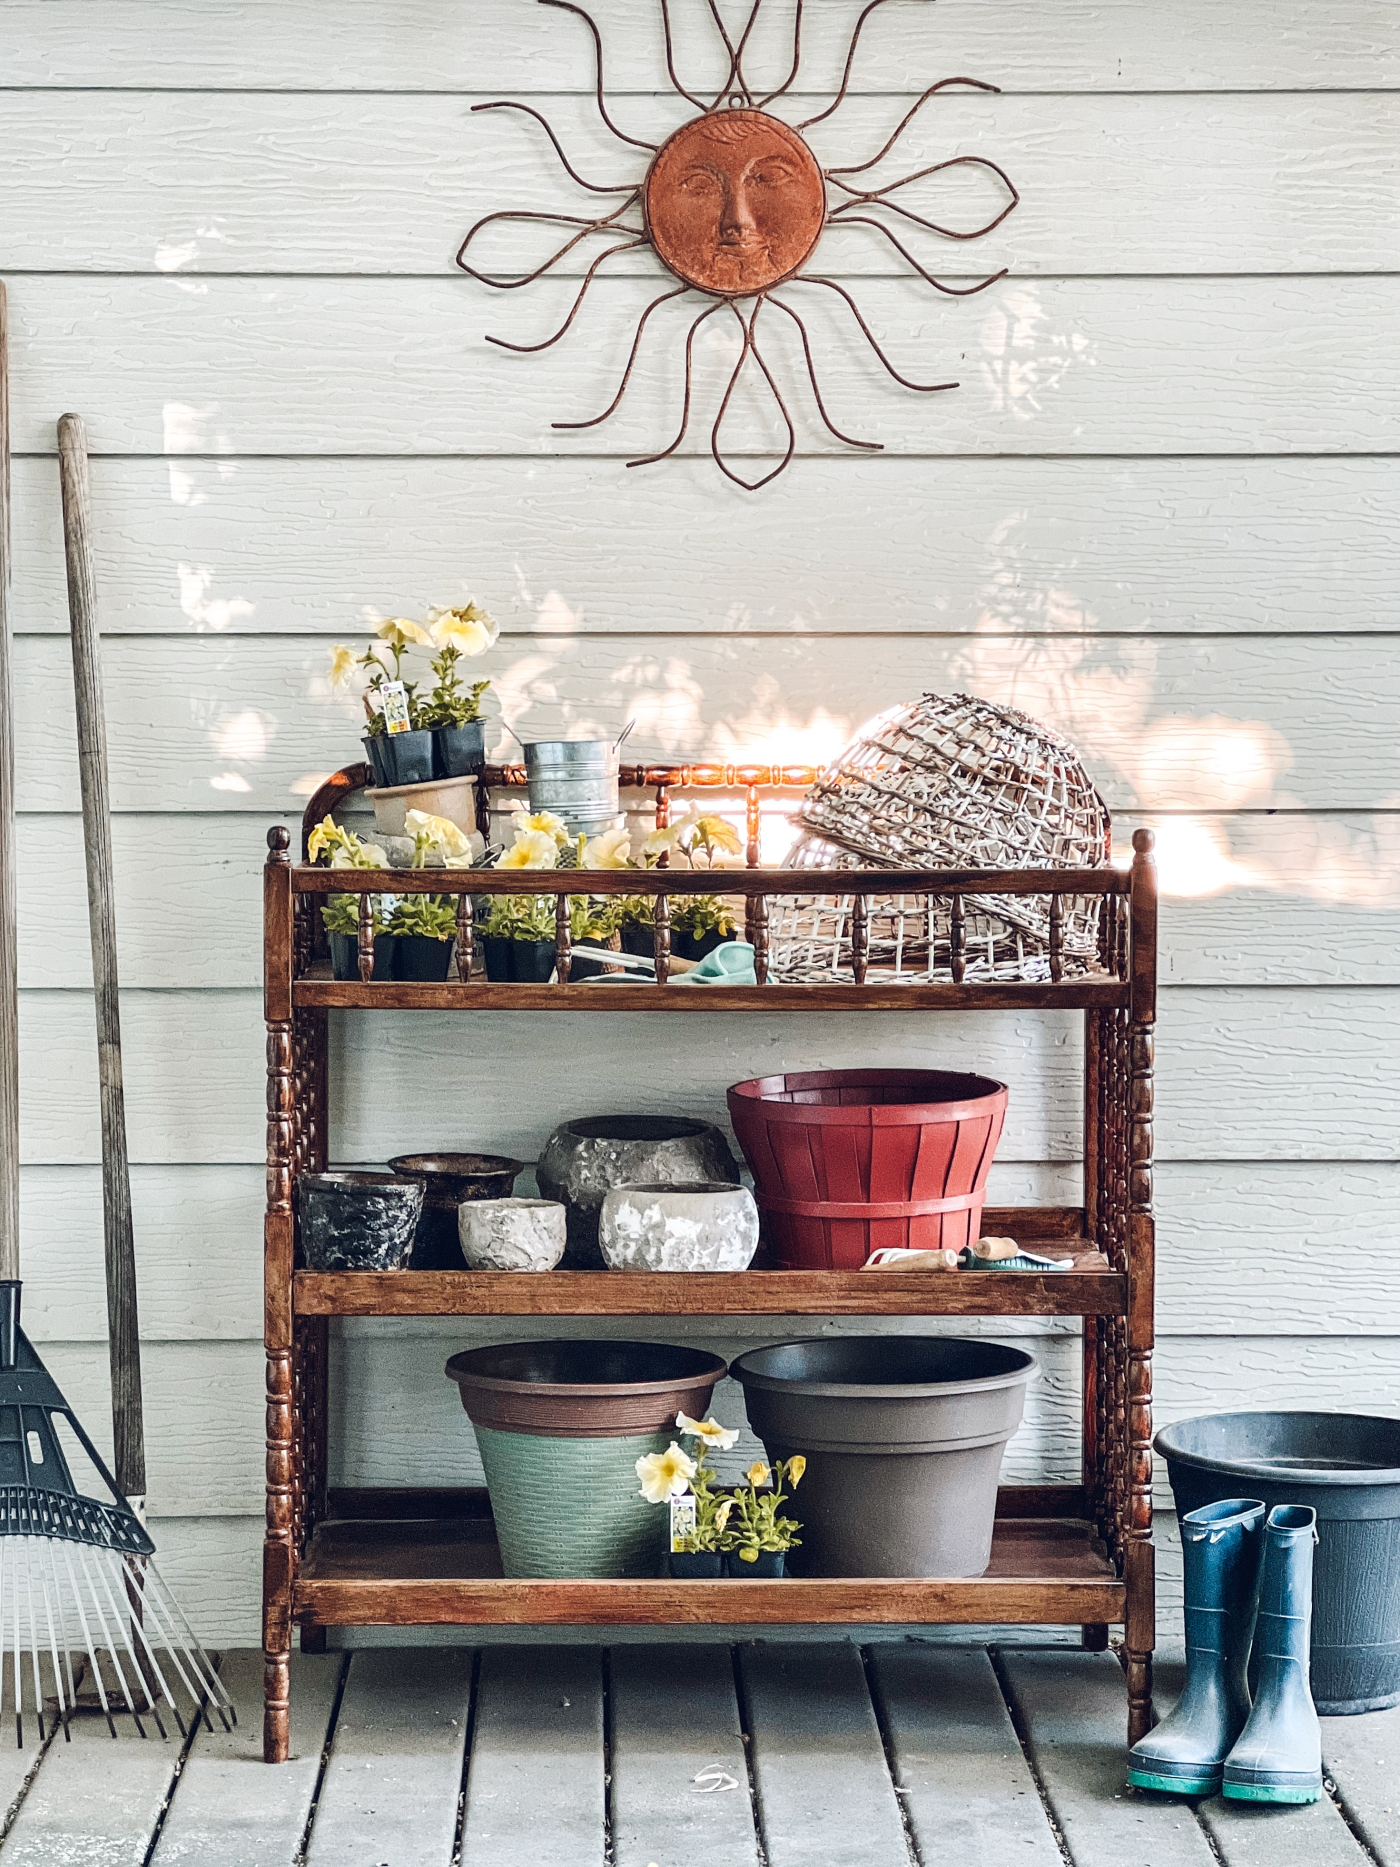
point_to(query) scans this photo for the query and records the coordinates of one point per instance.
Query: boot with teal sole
(1185, 1754)
(1279, 1754)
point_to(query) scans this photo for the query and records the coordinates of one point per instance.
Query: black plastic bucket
(1347, 1467)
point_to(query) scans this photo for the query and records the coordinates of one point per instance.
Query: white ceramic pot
(511, 1234)
(705, 1225)
(453, 798)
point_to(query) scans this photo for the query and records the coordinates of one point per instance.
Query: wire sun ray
(733, 206)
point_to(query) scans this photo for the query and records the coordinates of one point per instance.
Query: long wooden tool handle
(124, 1340)
(9, 891)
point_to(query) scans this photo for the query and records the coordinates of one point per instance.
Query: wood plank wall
(1160, 513)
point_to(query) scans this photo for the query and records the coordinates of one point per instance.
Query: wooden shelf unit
(1073, 1555)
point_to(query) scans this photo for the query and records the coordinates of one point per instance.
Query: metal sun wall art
(734, 205)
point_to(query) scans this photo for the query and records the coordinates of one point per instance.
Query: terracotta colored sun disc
(735, 202)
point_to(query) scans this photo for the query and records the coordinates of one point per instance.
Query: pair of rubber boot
(1248, 1585)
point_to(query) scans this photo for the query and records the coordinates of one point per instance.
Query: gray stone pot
(707, 1226)
(584, 1160)
(903, 1436)
(357, 1221)
(511, 1234)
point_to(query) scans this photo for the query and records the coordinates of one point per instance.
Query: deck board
(1070, 1707)
(969, 1796)
(232, 1809)
(680, 1785)
(1362, 1757)
(96, 1801)
(825, 1797)
(535, 1791)
(394, 1774)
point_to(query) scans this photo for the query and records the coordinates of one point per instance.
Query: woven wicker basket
(949, 782)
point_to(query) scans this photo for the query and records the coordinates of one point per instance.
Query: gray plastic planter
(903, 1436)
(1346, 1467)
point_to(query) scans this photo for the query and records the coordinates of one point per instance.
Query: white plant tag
(395, 698)
(682, 1520)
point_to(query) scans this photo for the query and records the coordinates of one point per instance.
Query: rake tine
(34, 1638)
(87, 1638)
(119, 1621)
(109, 1643)
(152, 1595)
(19, 1675)
(136, 1594)
(46, 1574)
(193, 1649)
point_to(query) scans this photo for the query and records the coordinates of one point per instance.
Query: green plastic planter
(561, 1426)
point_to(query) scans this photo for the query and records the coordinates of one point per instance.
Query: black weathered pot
(1346, 1466)
(688, 946)
(357, 1221)
(452, 1180)
(345, 957)
(769, 1565)
(904, 1438)
(697, 1565)
(420, 960)
(517, 962)
(458, 751)
(402, 758)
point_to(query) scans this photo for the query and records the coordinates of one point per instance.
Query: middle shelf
(1092, 1288)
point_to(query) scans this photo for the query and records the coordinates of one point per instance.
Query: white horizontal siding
(400, 366)
(419, 46)
(1204, 724)
(1027, 547)
(219, 184)
(1158, 513)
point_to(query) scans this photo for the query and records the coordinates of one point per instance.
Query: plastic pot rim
(590, 1390)
(882, 1391)
(1354, 1477)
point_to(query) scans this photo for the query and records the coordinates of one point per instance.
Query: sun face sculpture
(733, 205)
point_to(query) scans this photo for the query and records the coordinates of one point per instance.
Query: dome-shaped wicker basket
(948, 782)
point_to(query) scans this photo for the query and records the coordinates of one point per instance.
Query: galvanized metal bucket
(576, 779)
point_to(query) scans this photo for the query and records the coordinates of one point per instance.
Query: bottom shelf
(439, 1569)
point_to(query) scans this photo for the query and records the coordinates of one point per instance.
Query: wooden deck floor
(771, 1754)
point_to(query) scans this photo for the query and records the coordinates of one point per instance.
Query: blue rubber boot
(1186, 1752)
(1279, 1754)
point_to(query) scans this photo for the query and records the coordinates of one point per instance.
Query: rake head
(78, 1587)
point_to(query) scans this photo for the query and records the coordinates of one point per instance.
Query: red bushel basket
(846, 1162)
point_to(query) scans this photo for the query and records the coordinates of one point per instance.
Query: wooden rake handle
(9, 960)
(124, 1340)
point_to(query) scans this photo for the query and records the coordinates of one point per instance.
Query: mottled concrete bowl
(704, 1225)
(511, 1234)
(357, 1221)
(584, 1160)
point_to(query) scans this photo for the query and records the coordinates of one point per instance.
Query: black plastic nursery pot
(418, 959)
(903, 1437)
(691, 946)
(400, 758)
(357, 1221)
(458, 751)
(636, 937)
(345, 956)
(518, 962)
(1346, 1466)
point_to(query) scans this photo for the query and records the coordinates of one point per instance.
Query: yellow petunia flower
(608, 851)
(344, 662)
(532, 849)
(443, 836)
(794, 1468)
(713, 1434)
(467, 628)
(399, 632)
(664, 1474)
(757, 1474)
